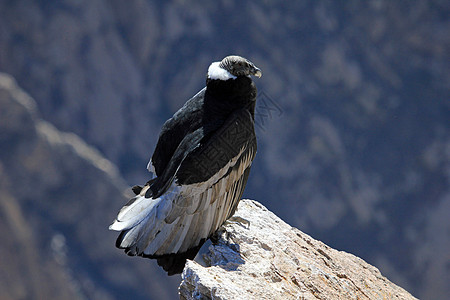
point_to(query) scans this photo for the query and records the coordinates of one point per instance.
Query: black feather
(136, 189)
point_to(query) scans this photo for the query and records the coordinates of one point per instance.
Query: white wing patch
(185, 214)
(216, 72)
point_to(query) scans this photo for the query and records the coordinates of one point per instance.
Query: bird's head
(231, 67)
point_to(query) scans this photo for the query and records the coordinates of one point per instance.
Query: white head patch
(216, 72)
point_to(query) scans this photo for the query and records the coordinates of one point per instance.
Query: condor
(200, 168)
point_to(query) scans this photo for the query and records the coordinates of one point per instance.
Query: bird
(199, 168)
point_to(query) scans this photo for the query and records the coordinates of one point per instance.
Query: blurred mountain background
(352, 120)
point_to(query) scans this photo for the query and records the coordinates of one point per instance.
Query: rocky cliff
(258, 256)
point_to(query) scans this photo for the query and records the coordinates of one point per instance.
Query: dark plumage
(201, 164)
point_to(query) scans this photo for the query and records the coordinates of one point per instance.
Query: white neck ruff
(216, 72)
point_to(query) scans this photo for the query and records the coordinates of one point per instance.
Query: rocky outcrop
(258, 256)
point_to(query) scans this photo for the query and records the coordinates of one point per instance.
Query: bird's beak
(257, 72)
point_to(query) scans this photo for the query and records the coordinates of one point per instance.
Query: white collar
(216, 72)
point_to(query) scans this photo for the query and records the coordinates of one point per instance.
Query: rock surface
(269, 259)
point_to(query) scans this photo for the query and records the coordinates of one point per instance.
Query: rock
(269, 259)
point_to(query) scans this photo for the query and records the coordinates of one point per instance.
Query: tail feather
(190, 235)
(174, 263)
(136, 239)
(137, 209)
(192, 232)
(177, 233)
(161, 236)
(184, 230)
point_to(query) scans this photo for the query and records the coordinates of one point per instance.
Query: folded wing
(198, 190)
